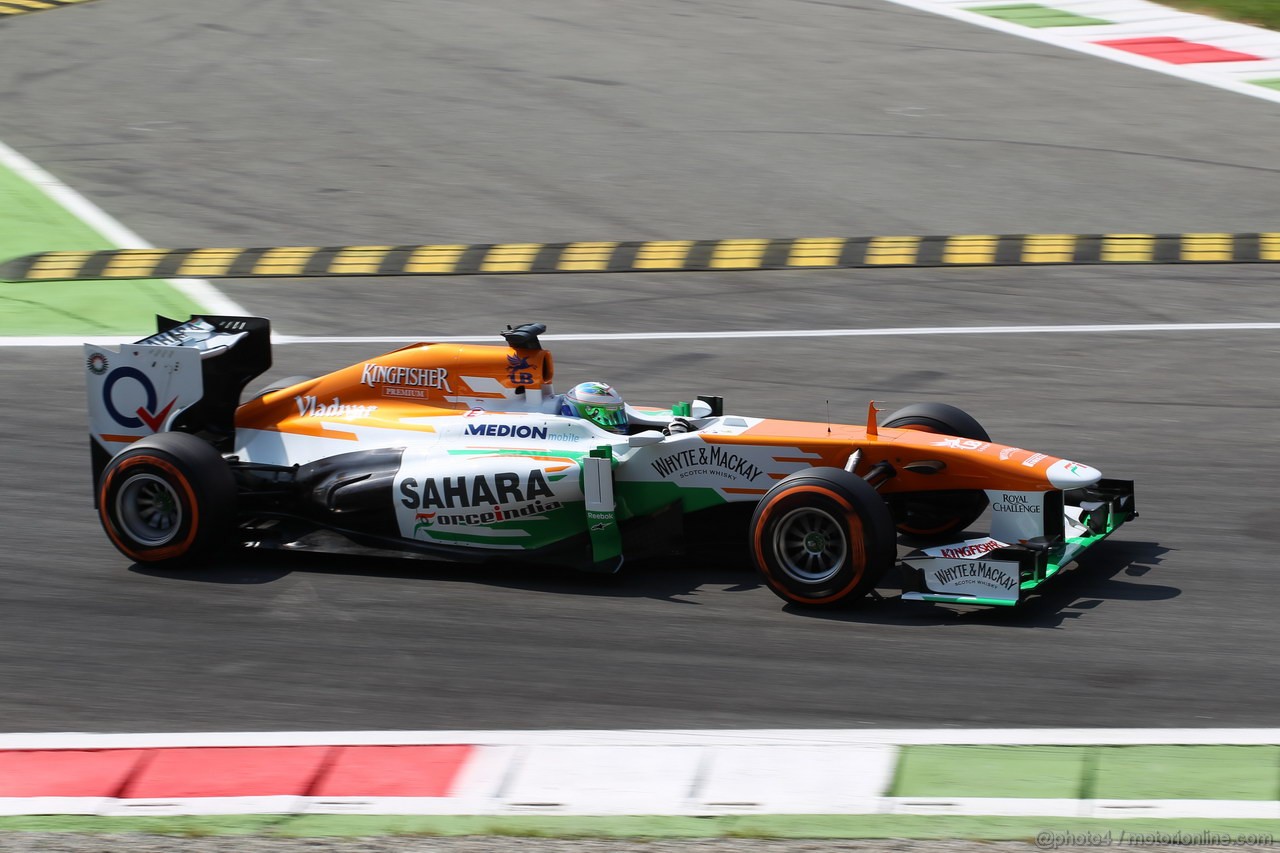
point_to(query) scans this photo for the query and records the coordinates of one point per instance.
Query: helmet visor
(612, 418)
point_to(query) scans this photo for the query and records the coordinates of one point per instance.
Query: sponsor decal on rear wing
(201, 335)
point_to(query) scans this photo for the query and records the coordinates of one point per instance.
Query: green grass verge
(738, 826)
(991, 771)
(1090, 772)
(32, 222)
(1262, 13)
(1036, 15)
(1187, 773)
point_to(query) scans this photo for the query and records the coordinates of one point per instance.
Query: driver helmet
(596, 402)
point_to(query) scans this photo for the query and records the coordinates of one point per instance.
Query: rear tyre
(170, 498)
(822, 538)
(937, 514)
(280, 385)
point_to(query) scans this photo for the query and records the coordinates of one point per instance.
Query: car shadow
(658, 578)
(1102, 576)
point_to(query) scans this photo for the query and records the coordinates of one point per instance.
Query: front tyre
(822, 538)
(169, 498)
(937, 515)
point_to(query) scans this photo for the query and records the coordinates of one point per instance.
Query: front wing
(991, 572)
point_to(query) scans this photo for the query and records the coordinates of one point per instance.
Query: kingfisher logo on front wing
(970, 550)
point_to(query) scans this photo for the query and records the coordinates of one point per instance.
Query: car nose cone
(1064, 474)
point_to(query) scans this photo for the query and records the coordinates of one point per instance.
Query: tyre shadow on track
(1103, 576)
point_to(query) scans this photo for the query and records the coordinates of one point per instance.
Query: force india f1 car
(458, 452)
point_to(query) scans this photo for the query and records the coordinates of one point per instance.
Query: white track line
(816, 333)
(1194, 73)
(901, 331)
(198, 290)
(826, 803)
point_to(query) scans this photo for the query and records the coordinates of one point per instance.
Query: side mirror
(644, 439)
(701, 409)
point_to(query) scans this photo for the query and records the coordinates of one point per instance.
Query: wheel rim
(811, 545)
(149, 510)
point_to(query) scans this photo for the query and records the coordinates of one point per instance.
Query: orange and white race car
(466, 452)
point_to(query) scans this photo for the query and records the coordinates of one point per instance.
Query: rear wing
(185, 378)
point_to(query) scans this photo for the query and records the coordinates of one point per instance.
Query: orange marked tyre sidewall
(835, 501)
(185, 476)
(118, 477)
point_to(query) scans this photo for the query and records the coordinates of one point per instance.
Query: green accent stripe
(1273, 83)
(943, 598)
(1102, 772)
(438, 535)
(1035, 15)
(511, 451)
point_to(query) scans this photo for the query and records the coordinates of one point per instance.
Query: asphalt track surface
(314, 122)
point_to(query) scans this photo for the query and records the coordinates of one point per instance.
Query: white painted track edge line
(495, 807)
(654, 737)
(173, 806)
(1101, 52)
(818, 333)
(902, 331)
(198, 290)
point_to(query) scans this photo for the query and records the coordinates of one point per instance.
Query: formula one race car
(462, 452)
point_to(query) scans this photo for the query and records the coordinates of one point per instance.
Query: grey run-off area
(317, 122)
